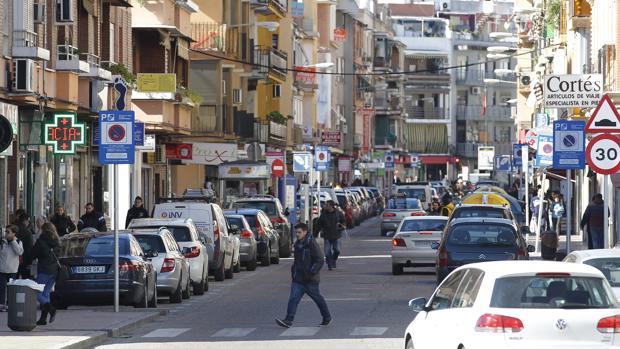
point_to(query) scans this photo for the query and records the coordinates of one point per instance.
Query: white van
(421, 192)
(211, 224)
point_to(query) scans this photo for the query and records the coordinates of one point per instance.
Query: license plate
(423, 243)
(89, 269)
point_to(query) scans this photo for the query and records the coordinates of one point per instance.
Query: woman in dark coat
(45, 251)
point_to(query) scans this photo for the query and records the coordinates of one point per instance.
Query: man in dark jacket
(305, 272)
(594, 218)
(330, 224)
(25, 235)
(136, 211)
(63, 223)
(92, 219)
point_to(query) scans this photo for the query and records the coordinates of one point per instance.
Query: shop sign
(331, 138)
(243, 171)
(340, 34)
(64, 133)
(179, 151)
(573, 91)
(213, 153)
(485, 158)
(366, 115)
(157, 82)
(344, 164)
(305, 75)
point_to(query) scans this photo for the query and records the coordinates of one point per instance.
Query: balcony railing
(277, 131)
(474, 112)
(477, 76)
(215, 37)
(25, 38)
(425, 113)
(271, 60)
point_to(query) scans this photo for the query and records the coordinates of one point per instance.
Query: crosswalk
(246, 332)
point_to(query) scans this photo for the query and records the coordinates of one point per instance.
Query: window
(104, 246)
(468, 290)
(445, 293)
(482, 212)
(268, 207)
(424, 225)
(419, 194)
(482, 235)
(610, 267)
(181, 234)
(151, 243)
(277, 91)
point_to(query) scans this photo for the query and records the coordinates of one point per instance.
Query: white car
(517, 304)
(186, 235)
(605, 260)
(411, 245)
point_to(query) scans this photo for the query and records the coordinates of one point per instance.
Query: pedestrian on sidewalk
(305, 273)
(63, 223)
(26, 236)
(92, 219)
(331, 224)
(11, 248)
(136, 211)
(594, 218)
(557, 211)
(45, 251)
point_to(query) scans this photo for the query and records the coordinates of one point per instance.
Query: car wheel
(237, 267)
(397, 269)
(186, 293)
(153, 300)
(177, 296)
(266, 259)
(285, 251)
(251, 266)
(207, 282)
(229, 272)
(275, 259)
(384, 232)
(409, 344)
(199, 287)
(142, 303)
(219, 273)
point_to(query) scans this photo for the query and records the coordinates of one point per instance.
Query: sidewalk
(574, 246)
(77, 327)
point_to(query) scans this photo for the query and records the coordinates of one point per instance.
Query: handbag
(63, 271)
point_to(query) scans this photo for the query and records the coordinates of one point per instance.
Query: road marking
(338, 299)
(166, 333)
(376, 240)
(368, 331)
(369, 256)
(301, 331)
(234, 332)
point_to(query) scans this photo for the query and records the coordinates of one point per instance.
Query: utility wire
(377, 73)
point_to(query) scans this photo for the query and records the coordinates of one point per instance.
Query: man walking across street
(92, 219)
(305, 272)
(63, 223)
(136, 211)
(330, 224)
(594, 218)
(10, 250)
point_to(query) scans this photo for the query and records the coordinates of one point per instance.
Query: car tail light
(246, 234)
(443, 257)
(398, 242)
(216, 231)
(416, 214)
(498, 323)
(553, 275)
(389, 215)
(278, 220)
(168, 265)
(194, 253)
(609, 324)
(129, 266)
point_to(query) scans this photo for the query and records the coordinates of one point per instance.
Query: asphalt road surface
(368, 304)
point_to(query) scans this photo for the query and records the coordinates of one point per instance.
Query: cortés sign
(330, 138)
(573, 91)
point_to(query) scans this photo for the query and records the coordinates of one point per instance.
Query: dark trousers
(332, 251)
(24, 272)
(312, 290)
(4, 279)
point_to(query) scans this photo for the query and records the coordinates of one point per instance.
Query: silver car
(171, 266)
(398, 209)
(411, 245)
(240, 227)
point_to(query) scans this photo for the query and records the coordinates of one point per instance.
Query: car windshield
(610, 267)
(269, 207)
(103, 246)
(484, 212)
(342, 200)
(251, 221)
(482, 235)
(151, 243)
(181, 234)
(235, 221)
(423, 225)
(566, 292)
(413, 193)
(403, 204)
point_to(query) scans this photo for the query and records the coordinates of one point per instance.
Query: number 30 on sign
(603, 154)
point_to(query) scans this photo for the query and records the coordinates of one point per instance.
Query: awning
(427, 138)
(436, 159)
(174, 31)
(426, 54)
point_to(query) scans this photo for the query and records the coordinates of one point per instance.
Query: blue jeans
(597, 238)
(332, 251)
(48, 280)
(311, 289)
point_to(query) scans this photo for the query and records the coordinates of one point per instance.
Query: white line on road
(301, 331)
(234, 332)
(166, 332)
(357, 343)
(368, 331)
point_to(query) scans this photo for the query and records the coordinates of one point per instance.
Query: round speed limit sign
(603, 154)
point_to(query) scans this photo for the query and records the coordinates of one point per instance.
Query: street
(368, 303)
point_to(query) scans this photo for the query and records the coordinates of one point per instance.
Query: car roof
(497, 269)
(584, 255)
(148, 231)
(234, 215)
(481, 220)
(417, 218)
(412, 186)
(257, 198)
(243, 211)
(502, 207)
(159, 222)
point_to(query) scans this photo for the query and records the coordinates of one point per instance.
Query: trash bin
(22, 302)
(549, 245)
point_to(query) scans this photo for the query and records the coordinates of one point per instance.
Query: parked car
(211, 224)
(411, 245)
(378, 197)
(171, 266)
(366, 203)
(240, 227)
(356, 207)
(605, 260)
(344, 201)
(363, 204)
(470, 240)
(89, 257)
(525, 304)
(278, 216)
(421, 192)
(186, 235)
(397, 210)
(266, 236)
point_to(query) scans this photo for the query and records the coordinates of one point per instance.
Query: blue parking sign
(569, 144)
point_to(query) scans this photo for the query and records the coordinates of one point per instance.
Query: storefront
(242, 178)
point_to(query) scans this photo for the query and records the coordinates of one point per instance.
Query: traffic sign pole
(541, 205)
(525, 157)
(569, 199)
(116, 258)
(606, 238)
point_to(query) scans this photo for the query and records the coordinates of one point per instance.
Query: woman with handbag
(47, 269)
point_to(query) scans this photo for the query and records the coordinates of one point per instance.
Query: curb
(129, 325)
(97, 338)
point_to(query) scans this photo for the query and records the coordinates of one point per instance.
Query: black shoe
(52, 312)
(44, 311)
(326, 322)
(284, 323)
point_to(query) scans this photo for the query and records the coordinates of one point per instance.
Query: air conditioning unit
(64, 11)
(476, 90)
(524, 82)
(160, 154)
(445, 6)
(39, 13)
(23, 70)
(236, 96)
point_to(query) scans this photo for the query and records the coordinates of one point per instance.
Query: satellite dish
(6, 133)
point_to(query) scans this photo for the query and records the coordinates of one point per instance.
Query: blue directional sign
(388, 159)
(322, 158)
(569, 144)
(138, 134)
(116, 135)
(302, 162)
(503, 163)
(517, 157)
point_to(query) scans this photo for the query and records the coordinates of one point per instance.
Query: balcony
(475, 77)
(96, 72)
(474, 112)
(271, 61)
(26, 45)
(215, 37)
(389, 105)
(277, 133)
(307, 26)
(162, 113)
(429, 81)
(426, 113)
(271, 7)
(470, 150)
(68, 59)
(477, 39)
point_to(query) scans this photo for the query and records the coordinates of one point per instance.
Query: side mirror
(525, 230)
(531, 248)
(186, 250)
(418, 304)
(151, 254)
(435, 245)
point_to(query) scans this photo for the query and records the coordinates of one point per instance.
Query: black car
(472, 240)
(267, 238)
(89, 258)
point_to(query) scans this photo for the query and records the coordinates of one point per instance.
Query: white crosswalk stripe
(234, 332)
(300, 331)
(368, 331)
(166, 332)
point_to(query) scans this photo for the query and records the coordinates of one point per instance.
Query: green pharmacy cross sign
(64, 133)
